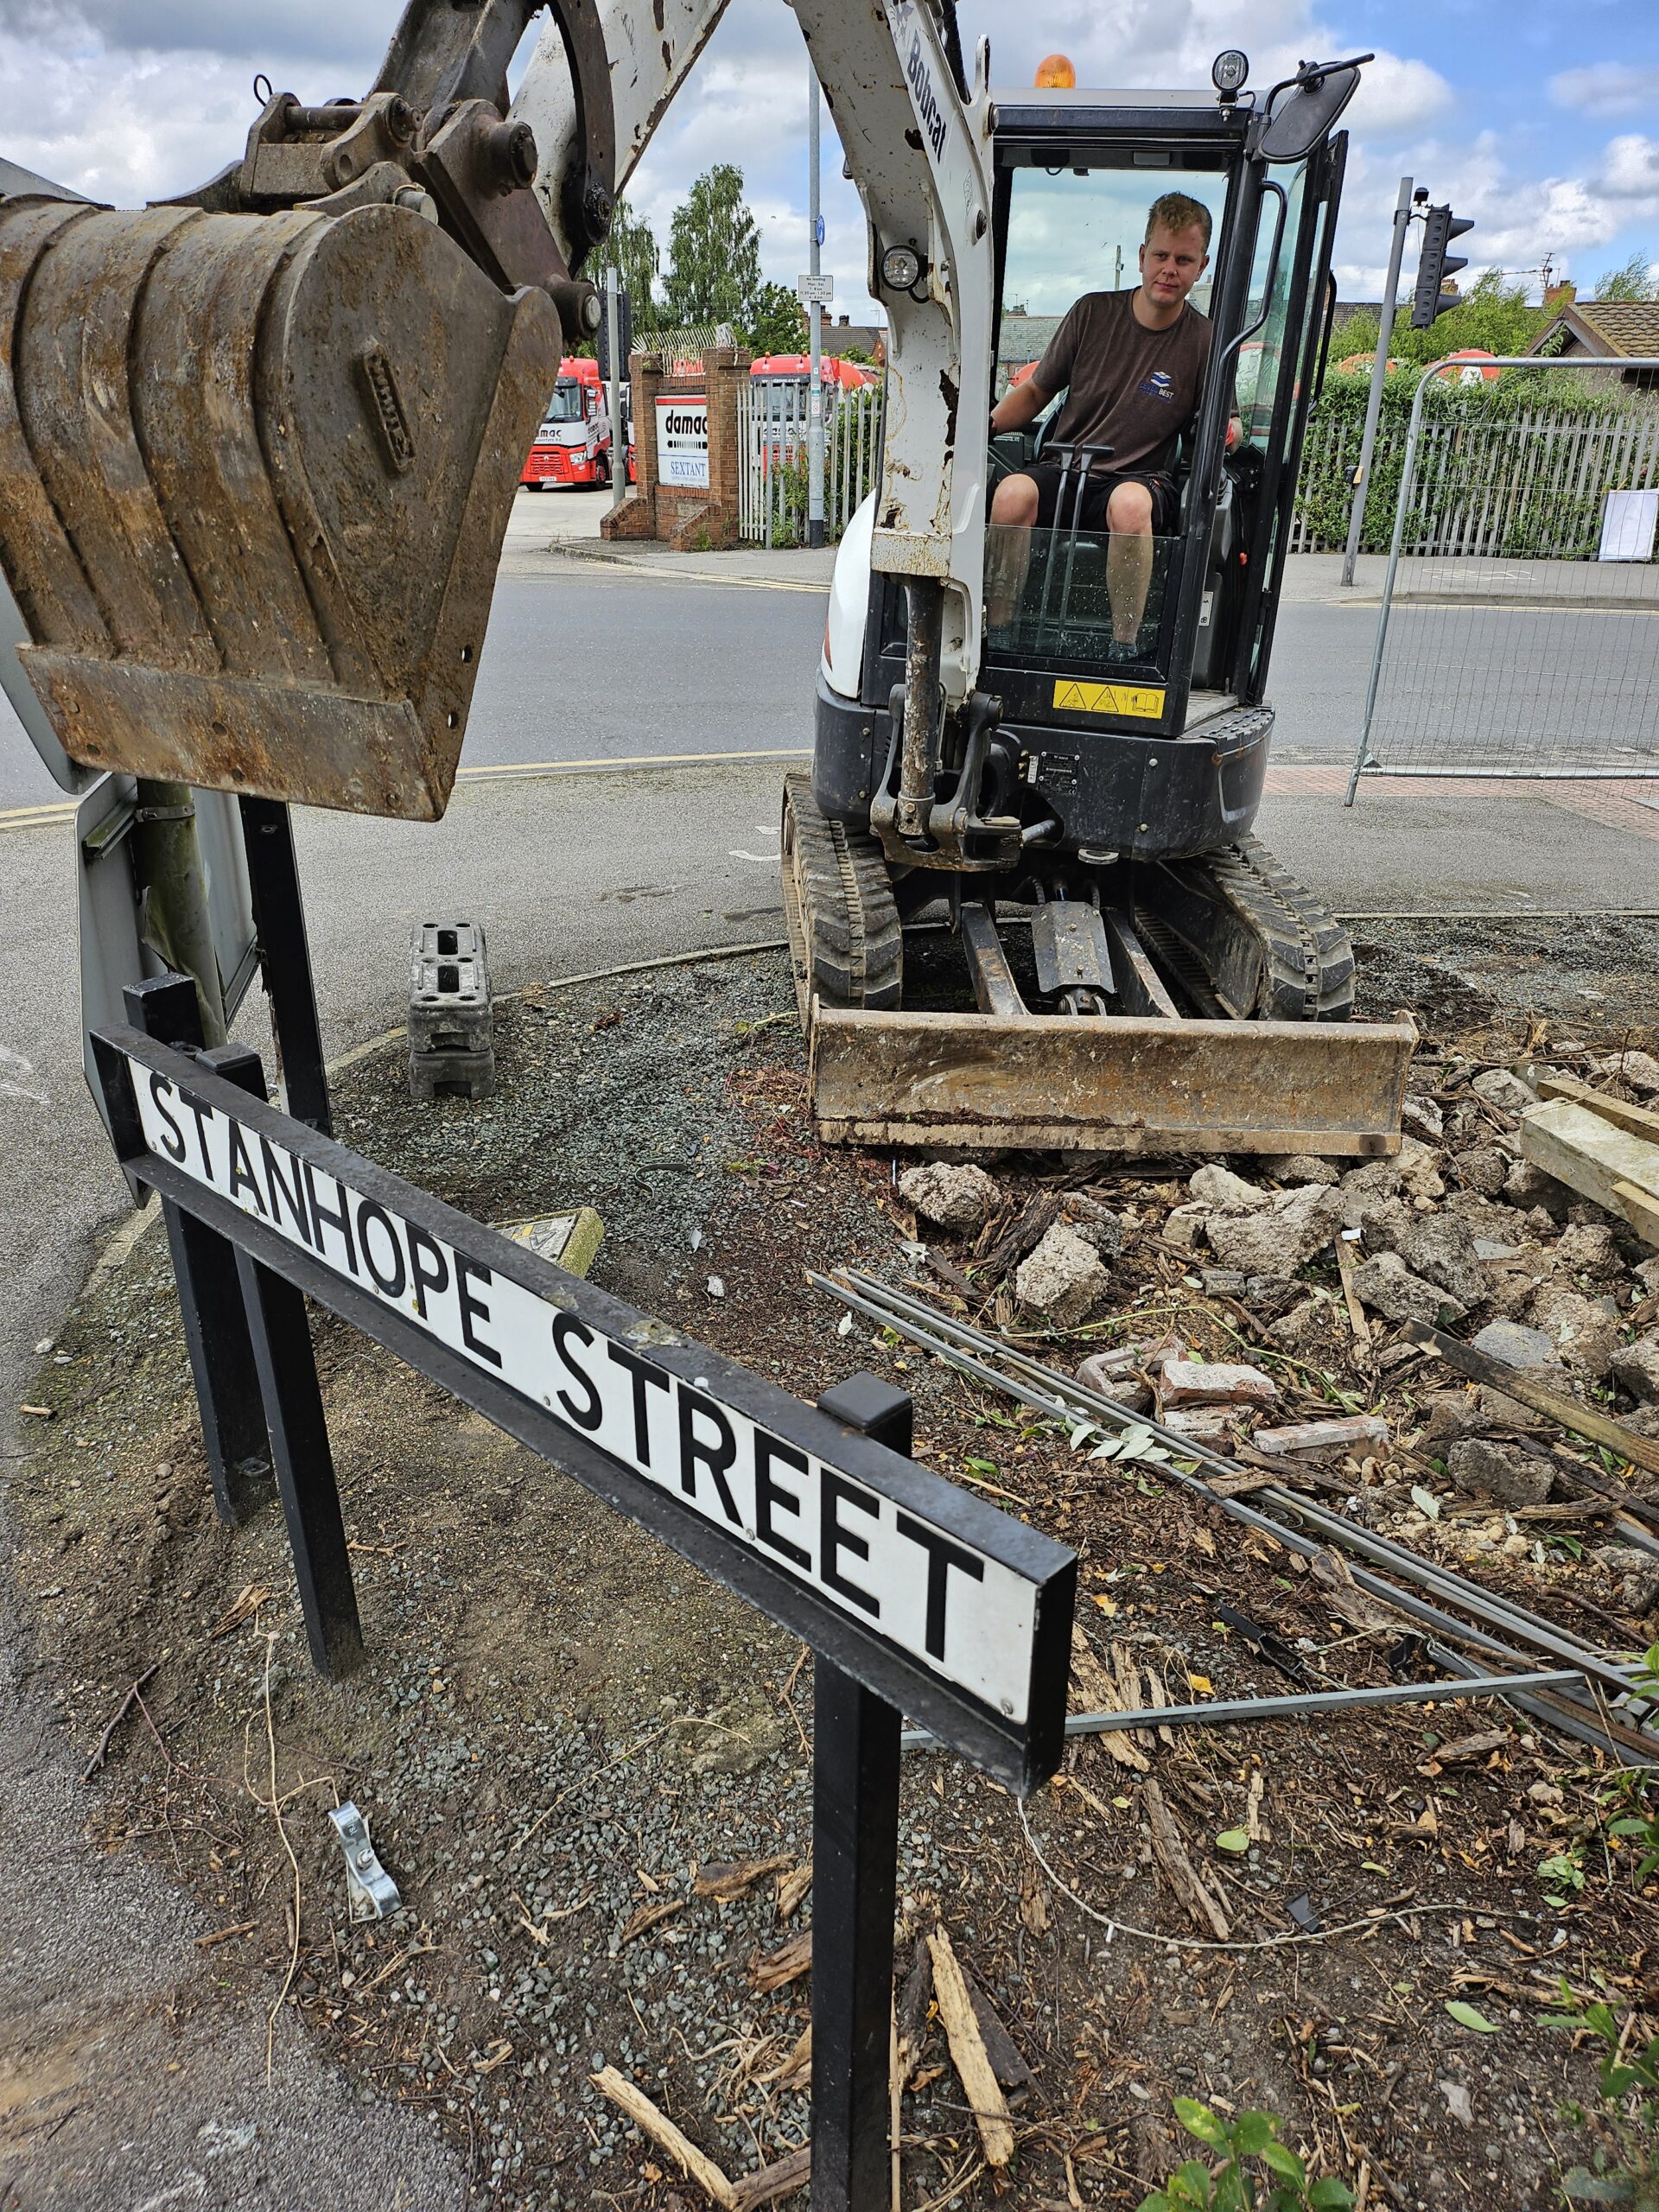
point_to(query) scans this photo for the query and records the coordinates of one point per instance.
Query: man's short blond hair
(1176, 211)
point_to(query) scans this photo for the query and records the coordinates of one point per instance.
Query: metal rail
(1046, 1392)
(1305, 1706)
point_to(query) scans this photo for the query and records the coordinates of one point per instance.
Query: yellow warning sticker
(1107, 698)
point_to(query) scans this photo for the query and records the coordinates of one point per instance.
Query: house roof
(1612, 329)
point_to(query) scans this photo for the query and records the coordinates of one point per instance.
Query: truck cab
(572, 447)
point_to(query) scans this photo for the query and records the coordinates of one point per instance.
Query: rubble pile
(1284, 1291)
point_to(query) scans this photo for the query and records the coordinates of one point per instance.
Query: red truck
(572, 447)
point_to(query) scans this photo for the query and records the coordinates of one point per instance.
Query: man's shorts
(1095, 493)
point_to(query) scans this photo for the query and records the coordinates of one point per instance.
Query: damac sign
(903, 1556)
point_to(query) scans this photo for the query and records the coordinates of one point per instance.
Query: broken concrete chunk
(1486, 1219)
(1271, 1294)
(1185, 1225)
(1587, 1248)
(1499, 1410)
(1635, 1369)
(1647, 1274)
(1421, 1118)
(1210, 1425)
(1500, 1088)
(1380, 1222)
(1484, 1167)
(1504, 1472)
(1278, 1238)
(1365, 1431)
(1526, 1186)
(1224, 1282)
(1214, 1185)
(1098, 1225)
(1440, 1247)
(1299, 1167)
(1638, 1593)
(1586, 1335)
(1388, 1286)
(1062, 1279)
(1639, 1070)
(1304, 1326)
(1450, 1416)
(1205, 1383)
(1517, 1345)
(1414, 1169)
(1121, 1385)
(961, 1198)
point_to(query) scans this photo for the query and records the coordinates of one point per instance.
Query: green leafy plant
(1562, 1871)
(1625, 2166)
(1638, 1819)
(1258, 2173)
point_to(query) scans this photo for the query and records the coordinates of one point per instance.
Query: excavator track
(845, 935)
(1270, 950)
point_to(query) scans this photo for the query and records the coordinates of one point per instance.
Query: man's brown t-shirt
(1132, 389)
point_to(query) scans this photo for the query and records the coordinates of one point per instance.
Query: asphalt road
(101, 1986)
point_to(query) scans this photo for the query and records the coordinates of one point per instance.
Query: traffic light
(1440, 226)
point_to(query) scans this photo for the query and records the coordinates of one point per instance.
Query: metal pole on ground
(815, 328)
(854, 1884)
(1379, 371)
(618, 443)
(285, 960)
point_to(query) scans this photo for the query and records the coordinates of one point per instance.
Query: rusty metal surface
(1122, 1083)
(256, 471)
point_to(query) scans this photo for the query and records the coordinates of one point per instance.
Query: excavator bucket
(255, 471)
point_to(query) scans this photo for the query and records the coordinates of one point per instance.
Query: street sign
(625, 335)
(819, 289)
(926, 1594)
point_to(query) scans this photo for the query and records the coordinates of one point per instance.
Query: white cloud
(1607, 88)
(1630, 169)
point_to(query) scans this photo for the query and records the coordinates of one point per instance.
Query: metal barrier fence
(771, 499)
(1520, 464)
(1519, 630)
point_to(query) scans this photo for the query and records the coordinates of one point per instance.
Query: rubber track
(854, 939)
(1310, 956)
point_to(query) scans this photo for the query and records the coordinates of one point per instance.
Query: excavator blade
(255, 471)
(1124, 1083)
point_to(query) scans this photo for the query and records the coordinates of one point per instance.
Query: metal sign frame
(243, 1279)
(814, 1523)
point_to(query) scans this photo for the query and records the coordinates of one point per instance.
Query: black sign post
(914, 1597)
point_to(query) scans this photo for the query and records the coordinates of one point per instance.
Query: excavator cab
(1088, 833)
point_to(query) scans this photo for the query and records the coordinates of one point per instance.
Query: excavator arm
(258, 445)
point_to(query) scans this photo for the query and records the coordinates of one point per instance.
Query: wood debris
(792, 1888)
(786, 1965)
(1189, 1885)
(695, 2164)
(1097, 1691)
(968, 2053)
(648, 1916)
(718, 1878)
(1345, 1598)
(1518, 1382)
(782, 2178)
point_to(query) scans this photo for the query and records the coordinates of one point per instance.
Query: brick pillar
(723, 370)
(637, 516)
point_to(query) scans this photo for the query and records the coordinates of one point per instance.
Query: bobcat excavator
(258, 446)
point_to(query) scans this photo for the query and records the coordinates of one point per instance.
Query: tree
(632, 259)
(1633, 280)
(779, 322)
(713, 273)
(1491, 316)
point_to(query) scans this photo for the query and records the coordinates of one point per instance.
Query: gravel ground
(559, 1723)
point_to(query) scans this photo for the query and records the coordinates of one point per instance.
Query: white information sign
(1628, 524)
(967, 1618)
(681, 439)
(819, 289)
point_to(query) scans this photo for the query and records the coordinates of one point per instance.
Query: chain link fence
(1518, 634)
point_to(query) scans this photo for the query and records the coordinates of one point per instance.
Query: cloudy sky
(1538, 117)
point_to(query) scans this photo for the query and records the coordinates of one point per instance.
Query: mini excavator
(258, 447)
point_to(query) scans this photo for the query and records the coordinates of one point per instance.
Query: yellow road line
(39, 818)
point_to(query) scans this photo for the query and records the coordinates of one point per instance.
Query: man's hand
(1020, 405)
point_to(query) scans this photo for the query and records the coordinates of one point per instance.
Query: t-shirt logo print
(1159, 385)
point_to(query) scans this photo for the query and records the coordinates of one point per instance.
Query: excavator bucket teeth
(257, 470)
